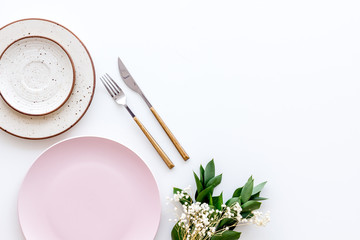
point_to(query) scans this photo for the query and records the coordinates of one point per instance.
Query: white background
(268, 88)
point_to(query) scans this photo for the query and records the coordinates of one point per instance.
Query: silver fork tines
(114, 90)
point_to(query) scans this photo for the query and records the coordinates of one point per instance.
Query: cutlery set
(119, 97)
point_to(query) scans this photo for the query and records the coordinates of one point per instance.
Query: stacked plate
(82, 188)
(47, 79)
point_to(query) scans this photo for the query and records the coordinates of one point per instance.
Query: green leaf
(209, 172)
(226, 222)
(258, 188)
(226, 235)
(177, 190)
(259, 198)
(218, 201)
(214, 181)
(177, 232)
(255, 195)
(250, 206)
(199, 186)
(237, 192)
(247, 190)
(202, 173)
(233, 200)
(210, 200)
(247, 214)
(204, 193)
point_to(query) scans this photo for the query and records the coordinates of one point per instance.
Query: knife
(130, 82)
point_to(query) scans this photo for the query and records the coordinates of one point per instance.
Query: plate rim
(73, 75)
(88, 136)
(94, 79)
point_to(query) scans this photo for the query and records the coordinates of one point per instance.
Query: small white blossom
(260, 219)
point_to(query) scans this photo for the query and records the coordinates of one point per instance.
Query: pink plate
(89, 188)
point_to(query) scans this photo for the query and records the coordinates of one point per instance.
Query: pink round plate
(89, 188)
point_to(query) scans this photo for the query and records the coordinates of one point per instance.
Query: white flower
(238, 217)
(260, 219)
(237, 207)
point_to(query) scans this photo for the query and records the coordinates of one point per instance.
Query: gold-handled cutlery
(119, 97)
(130, 82)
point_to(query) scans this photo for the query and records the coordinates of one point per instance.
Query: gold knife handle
(155, 144)
(170, 134)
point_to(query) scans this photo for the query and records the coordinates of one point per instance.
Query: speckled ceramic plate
(37, 75)
(39, 127)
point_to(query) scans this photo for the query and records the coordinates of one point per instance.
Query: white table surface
(268, 88)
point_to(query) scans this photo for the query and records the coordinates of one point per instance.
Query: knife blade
(130, 82)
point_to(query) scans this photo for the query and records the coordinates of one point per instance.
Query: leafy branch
(223, 216)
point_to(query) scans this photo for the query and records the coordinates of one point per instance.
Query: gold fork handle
(155, 144)
(170, 134)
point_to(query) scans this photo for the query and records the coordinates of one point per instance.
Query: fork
(119, 97)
